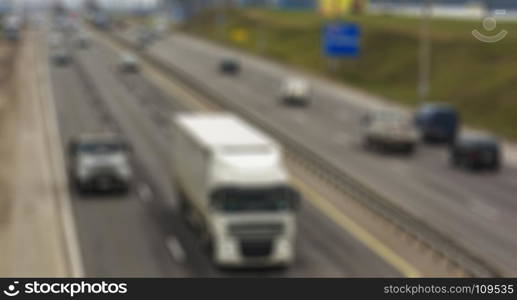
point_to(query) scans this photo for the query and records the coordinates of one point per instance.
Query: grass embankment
(479, 79)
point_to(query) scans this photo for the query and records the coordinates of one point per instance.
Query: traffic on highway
(183, 155)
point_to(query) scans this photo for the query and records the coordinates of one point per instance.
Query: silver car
(100, 162)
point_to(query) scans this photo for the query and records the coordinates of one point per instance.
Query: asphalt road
(141, 234)
(478, 210)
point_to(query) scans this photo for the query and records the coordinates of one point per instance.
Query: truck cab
(235, 189)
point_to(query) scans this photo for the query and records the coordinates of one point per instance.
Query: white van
(296, 91)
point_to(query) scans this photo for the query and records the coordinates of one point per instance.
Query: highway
(477, 210)
(141, 234)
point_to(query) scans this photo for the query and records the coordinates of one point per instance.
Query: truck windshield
(234, 200)
(100, 148)
(247, 149)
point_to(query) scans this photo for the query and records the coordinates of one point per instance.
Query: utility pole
(336, 9)
(335, 14)
(222, 15)
(262, 36)
(425, 52)
(488, 7)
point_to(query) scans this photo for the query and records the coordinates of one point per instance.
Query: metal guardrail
(418, 229)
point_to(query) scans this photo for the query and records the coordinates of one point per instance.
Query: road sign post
(340, 40)
(425, 52)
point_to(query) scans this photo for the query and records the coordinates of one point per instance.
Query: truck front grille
(104, 171)
(256, 230)
(256, 248)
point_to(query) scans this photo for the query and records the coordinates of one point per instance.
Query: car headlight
(124, 172)
(84, 172)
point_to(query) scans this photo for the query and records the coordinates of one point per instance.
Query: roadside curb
(54, 145)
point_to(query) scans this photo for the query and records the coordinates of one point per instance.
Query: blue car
(437, 122)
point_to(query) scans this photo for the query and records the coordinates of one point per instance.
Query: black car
(229, 66)
(62, 57)
(437, 122)
(476, 152)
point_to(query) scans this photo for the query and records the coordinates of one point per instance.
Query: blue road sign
(341, 40)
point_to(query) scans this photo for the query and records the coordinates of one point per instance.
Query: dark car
(229, 66)
(437, 122)
(62, 56)
(129, 63)
(476, 152)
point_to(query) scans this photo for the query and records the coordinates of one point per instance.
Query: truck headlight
(227, 250)
(284, 247)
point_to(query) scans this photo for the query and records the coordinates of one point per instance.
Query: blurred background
(262, 138)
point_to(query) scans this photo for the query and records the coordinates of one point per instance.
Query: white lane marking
(145, 194)
(300, 119)
(483, 210)
(344, 115)
(344, 139)
(400, 167)
(175, 249)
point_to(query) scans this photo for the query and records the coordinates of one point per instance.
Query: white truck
(235, 190)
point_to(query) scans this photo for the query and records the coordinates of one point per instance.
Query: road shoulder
(38, 230)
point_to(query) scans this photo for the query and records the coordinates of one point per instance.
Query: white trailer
(234, 188)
